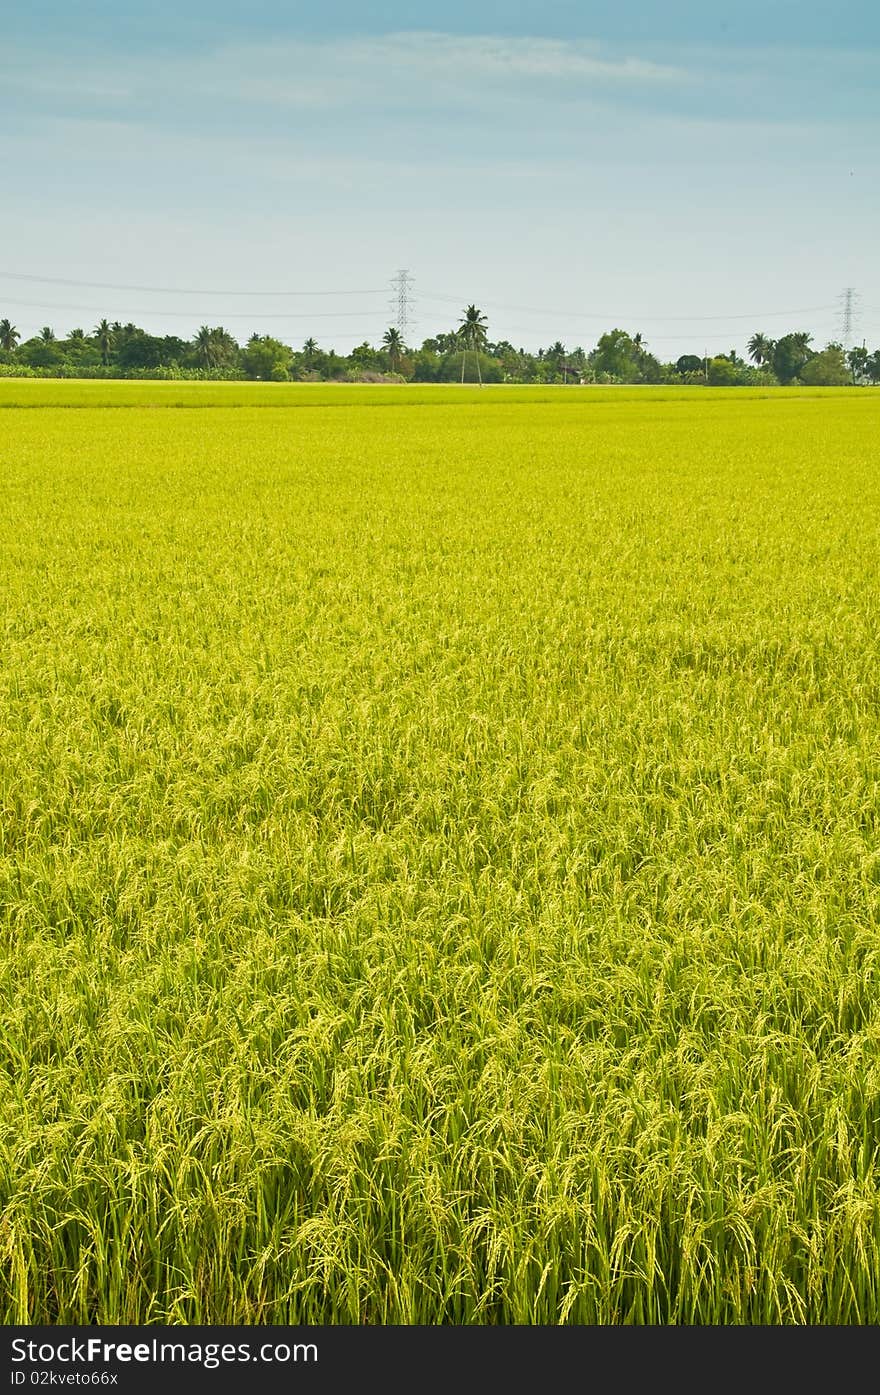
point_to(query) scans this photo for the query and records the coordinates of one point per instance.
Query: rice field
(439, 860)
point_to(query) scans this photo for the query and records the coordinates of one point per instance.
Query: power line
(202, 314)
(402, 285)
(167, 290)
(605, 316)
(401, 305)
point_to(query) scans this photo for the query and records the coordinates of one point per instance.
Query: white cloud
(491, 55)
(393, 70)
(400, 70)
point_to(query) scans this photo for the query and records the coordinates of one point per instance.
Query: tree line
(464, 353)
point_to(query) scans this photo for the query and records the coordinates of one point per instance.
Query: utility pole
(401, 303)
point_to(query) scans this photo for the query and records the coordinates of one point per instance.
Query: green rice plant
(439, 862)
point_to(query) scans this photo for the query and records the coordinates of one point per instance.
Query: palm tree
(392, 341)
(555, 357)
(77, 334)
(760, 349)
(310, 348)
(857, 360)
(9, 336)
(47, 334)
(225, 346)
(204, 342)
(472, 334)
(215, 347)
(104, 336)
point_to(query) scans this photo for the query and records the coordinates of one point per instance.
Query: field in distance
(439, 863)
(60, 392)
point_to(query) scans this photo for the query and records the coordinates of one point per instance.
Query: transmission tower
(401, 303)
(848, 316)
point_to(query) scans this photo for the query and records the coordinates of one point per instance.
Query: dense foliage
(466, 353)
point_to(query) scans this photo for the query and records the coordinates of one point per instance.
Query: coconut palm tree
(214, 347)
(857, 359)
(554, 357)
(9, 336)
(310, 348)
(77, 334)
(472, 335)
(104, 336)
(393, 343)
(760, 349)
(225, 347)
(47, 334)
(204, 344)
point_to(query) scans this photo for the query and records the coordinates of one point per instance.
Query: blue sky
(691, 172)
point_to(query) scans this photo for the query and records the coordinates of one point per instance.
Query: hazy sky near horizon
(693, 173)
